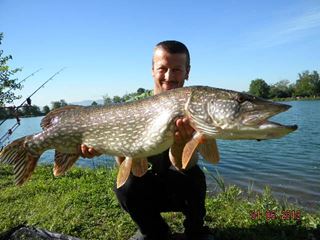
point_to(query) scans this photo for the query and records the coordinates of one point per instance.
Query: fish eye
(241, 99)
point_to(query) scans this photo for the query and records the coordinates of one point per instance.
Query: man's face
(169, 70)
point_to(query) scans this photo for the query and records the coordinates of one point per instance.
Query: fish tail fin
(23, 161)
(63, 162)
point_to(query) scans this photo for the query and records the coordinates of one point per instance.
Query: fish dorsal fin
(139, 167)
(124, 172)
(63, 162)
(209, 150)
(47, 122)
(190, 148)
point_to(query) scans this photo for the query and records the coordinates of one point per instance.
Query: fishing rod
(32, 74)
(7, 135)
(28, 100)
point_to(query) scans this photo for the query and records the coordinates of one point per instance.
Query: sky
(106, 46)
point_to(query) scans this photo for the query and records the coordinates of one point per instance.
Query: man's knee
(134, 192)
(196, 176)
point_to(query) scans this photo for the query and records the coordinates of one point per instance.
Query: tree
(6, 81)
(58, 104)
(308, 84)
(63, 103)
(107, 100)
(94, 103)
(46, 109)
(140, 91)
(117, 99)
(31, 110)
(260, 88)
(281, 89)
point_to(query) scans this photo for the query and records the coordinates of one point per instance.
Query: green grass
(83, 204)
(295, 99)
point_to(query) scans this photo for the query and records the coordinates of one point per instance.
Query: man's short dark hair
(172, 46)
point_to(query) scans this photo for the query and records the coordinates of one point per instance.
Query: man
(163, 188)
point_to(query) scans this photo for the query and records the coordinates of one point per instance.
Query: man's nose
(169, 76)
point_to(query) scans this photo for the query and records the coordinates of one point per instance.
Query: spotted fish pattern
(143, 128)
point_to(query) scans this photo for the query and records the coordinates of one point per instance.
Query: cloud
(291, 29)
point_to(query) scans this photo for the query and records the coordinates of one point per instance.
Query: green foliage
(31, 111)
(94, 103)
(6, 80)
(82, 204)
(308, 84)
(46, 109)
(107, 100)
(140, 91)
(117, 99)
(58, 104)
(140, 94)
(217, 178)
(260, 88)
(281, 89)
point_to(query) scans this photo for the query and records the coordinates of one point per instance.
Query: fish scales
(143, 128)
(130, 129)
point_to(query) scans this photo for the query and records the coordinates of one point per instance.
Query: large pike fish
(143, 128)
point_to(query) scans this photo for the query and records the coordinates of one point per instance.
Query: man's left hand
(183, 132)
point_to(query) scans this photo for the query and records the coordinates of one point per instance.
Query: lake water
(290, 165)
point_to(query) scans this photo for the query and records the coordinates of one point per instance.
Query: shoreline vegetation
(83, 204)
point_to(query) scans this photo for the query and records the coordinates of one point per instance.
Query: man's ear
(152, 72)
(187, 73)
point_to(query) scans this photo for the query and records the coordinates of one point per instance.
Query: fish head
(234, 115)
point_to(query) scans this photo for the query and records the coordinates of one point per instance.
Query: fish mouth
(270, 130)
(258, 125)
(262, 112)
(267, 123)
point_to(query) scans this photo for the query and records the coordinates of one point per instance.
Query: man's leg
(188, 189)
(140, 197)
(196, 193)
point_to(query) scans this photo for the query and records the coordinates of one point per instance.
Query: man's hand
(183, 132)
(182, 135)
(88, 152)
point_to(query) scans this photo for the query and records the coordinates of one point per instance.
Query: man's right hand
(88, 152)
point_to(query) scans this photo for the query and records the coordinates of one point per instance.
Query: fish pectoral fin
(139, 166)
(124, 171)
(189, 149)
(209, 150)
(63, 162)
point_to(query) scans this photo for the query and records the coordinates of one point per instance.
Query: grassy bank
(83, 204)
(295, 99)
